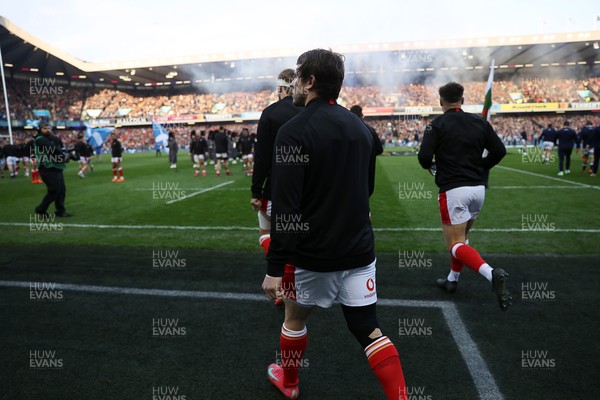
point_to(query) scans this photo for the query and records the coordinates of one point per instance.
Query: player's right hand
(255, 203)
(271, 286)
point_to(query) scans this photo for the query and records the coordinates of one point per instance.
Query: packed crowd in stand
(399, 131)
(72, 103)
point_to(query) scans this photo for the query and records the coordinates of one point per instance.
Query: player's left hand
(271, 286)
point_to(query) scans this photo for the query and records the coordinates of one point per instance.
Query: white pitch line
(151, 227)
(548, 177)
(187, 189)
(200, 191)
(493, 230)
(482, 377)
(249, 228)
(538, 187)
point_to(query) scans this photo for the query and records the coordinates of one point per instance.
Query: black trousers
(55, 183)
(562, 154)
(596, 160)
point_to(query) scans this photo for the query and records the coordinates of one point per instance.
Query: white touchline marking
(249, 228)
(538, 187)
(482, 377)
(548, 177)
(190, 189)
(200, 191)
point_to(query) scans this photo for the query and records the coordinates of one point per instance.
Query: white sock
(453, 276)
(486, 271)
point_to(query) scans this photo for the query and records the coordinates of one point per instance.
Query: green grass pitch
(543, 229)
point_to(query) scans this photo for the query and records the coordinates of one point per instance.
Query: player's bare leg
(250, 164)
(82, 168)
(196, 165)
(455, 237)
(12, 169)
(218, 167)
(226, 162)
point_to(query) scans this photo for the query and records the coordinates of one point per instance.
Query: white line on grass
(249, 228)
(538, 187)
(482, 377)
(548, 177)
(190, 189)
(200, 191)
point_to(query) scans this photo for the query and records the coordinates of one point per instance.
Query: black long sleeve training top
(457, 140)
(322, 178)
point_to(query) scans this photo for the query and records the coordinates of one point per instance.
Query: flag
(487, 104)
(97, 136)
(160, 133)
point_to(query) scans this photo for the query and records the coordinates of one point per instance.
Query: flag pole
(487, 104)
(10, 135)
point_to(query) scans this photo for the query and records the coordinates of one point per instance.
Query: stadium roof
(25, 56)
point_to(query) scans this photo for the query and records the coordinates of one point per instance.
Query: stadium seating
(72, 102)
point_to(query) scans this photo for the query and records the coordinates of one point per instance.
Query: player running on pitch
(322, 248)
(81, 151)
(89, 154)
(457, 140)
(116, 158)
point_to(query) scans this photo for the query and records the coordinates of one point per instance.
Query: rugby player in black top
(89, 154)
(199, 152)
(245, 146)
(221, 145)
(567, 139)
(117, 157)
(81, 151)
(548, 139)
(457, 140)
(357, 110)
(24, 155)
(272, 118)
(585, 137)
(11, 152)
(322, 177)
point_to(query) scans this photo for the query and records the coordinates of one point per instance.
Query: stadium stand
(72, 103)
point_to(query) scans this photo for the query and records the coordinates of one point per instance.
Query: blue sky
(111, 30)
